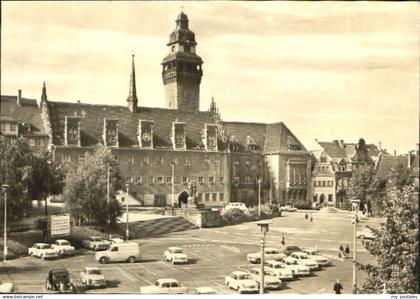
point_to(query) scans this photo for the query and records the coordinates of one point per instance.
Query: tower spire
(132, 95)
(44, 93)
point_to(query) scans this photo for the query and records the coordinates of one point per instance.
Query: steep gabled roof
(386, 162)
(278, 137)
(27, 112)
(340, 150)
(240, 131)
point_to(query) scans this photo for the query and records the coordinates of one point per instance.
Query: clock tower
(181, 68)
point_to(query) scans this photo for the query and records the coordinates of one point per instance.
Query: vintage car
(288, 208)
(205, 290)
(58, 281)
(235, 205)
(95, 243)
(176, 255)
(288, 249)
(314, 254)
(92, 277)
(278, 269)
(270, 253)
(302, 259)
(242, 282)
(365, 233)
(63, 247)
(7, 288)
(43, 251)
(271, 282)
(164, 286)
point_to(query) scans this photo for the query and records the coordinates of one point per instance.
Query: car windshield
(63, 243)
(177, 251)
(272, 252)
(45, 246)
(244, 276)
(94, 272)
(276, 266)
(96, 239)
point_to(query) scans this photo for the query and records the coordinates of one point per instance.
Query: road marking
(125, 274)
(147, 269)
(166, 264)
(231, 248)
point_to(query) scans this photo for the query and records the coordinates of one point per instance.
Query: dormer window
(178, 135)
(110, 134)
(251, 145)
(9, 127)
(210, 137)
(145, 133)
(72, 130)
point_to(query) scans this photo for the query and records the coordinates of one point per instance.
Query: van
(119, 252)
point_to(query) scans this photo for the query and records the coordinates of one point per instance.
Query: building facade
(179, 145)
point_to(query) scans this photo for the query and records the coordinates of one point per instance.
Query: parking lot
(213, 253)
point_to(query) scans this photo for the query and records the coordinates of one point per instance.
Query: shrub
(252, 213)
(233, 216)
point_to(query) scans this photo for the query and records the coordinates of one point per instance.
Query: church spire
(44, 93)
(132, 95)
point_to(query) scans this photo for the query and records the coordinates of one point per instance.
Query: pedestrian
(338, 287)
(312, 218)
(306, 216)
(347, 250)
(341, 253)
(283, 242)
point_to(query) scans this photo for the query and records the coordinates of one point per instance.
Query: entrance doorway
(322, 198)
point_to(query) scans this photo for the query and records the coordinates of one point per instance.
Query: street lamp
(4, 188)
(127, 231)
(264, 230)
(355, 204)
(259, 197)
(173, 186)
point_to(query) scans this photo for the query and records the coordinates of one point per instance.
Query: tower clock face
(145, 136)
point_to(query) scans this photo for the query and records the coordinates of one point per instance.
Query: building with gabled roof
(178, 145)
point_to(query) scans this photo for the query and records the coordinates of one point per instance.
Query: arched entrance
(183, 198)
(322, 198)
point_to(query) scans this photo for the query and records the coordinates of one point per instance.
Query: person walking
(306, 216)
(311, 218)
(347, 250)
(283, 242)
(341, 253)
(338, 287)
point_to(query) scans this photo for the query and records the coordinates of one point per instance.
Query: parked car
(288, 249)
(164, 286)
(314, 254)
(288, 208)
(365, 233)
(278, 269)
(63, 247)
(205, 290)
(242, 282)
(235, 205)
(92, 277)
(176, 255)
(119, 252)
(114, 239)
(270, 253)
(43, 251)
(271, 282)
(303, 259)
(95, 243)
(58, 281)
(7, 288)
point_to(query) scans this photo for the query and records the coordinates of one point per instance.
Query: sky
(328, 70)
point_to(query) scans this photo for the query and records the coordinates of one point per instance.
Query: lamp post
(264, 230)
(259, 197)
(355, 203)
(173, 186)
(4, 188)
(107, 191)
(127, 231)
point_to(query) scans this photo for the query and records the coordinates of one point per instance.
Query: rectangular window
(211, 180)
(323, 183)
(81, 158)
(66, 158)
(174, 161)
(145, 161)
(214, 196)
(31, 142)
(187, 162)
(221, 196)
(130, 160)
(221, 180)
(159, 161)
(138, 180)
(216, 161)
(236, 179)
(128, 179)
(151, 179)
(12, 127)
(315, 183)
(247, 179)
(160, 179)
(39, 142)
(3, 127)
(330, 197)
(169, 180)
(184, 180)
(201, 179)
(206, 162)
(200, 196)
(236, 163)
(207, 197)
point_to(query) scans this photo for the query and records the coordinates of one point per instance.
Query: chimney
(19, 97)
(380, 146)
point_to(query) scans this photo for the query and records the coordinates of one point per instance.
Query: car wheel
(131, 259)
(257, 261)
(103, 260)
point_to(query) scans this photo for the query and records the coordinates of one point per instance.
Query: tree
(85, 190)
(28, 174)
(400, 176)
(363, 185)
(395, 246)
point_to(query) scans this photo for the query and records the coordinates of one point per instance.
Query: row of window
(323, 169)
(6, 127)
(210, 196)
(328, 183)
(35, 142)
(168, 180)
(321, 198)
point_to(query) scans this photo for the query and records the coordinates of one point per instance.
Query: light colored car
(176, 255)
(279, 270)
(93, 277)
(303, 259)
(288, 208)
(270, 253)
(7, 288)
(43, 251)
(205, 290)
(164, 286)
(288, 249)
(95, 243)
(115, 240)
(242, 282)
(365, 233)
(119, 252)
(63, 247)
(271, 282)
(235, 205)
(320, 259)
